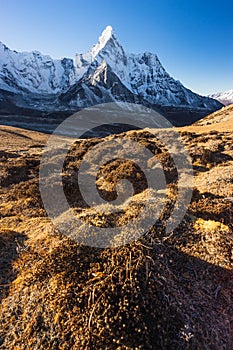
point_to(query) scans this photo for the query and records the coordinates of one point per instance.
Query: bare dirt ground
(159, 292)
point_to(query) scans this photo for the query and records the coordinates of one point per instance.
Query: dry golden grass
(159, 292)
(224, 114)
(220, 121)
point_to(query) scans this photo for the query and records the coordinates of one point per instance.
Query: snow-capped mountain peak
(107, 48)
(225, 97)
(103, 40)
(105, 73)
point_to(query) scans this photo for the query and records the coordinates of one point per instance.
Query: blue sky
(193, 39)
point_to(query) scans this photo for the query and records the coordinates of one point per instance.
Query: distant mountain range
(32, 83)
(225, 97)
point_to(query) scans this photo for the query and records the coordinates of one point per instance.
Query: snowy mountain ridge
(225, 97)
(105, 73)
(34, 72)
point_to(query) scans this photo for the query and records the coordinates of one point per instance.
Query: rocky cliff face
(106, 73)
(34, 73)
